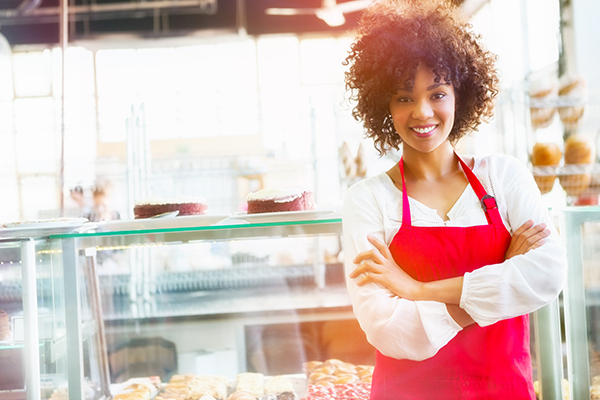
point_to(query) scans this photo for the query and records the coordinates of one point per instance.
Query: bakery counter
(207, 295)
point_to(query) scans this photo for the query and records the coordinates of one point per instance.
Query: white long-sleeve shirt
(416, 330)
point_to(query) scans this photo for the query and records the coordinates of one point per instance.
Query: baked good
(335, 372)
(543, 93)
(541, 117)
(278, 384)
(185, 205)
(136, 388)
(579, 156)
(251, 382)
(280, 200)
(572, 88)
(241, 395)
(545, 156)
(287, 396)
(347, 160)
(211, 385)
(5, 331)
(361, 161)
(354, 391)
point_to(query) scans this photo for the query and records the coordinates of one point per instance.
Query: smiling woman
(435, 276)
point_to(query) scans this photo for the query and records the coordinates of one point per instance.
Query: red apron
(478, 363)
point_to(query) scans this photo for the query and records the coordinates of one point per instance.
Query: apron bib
(492, 362)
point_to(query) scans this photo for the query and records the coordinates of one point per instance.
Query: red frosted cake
(185, 205)
(279, 200)
(4, 326)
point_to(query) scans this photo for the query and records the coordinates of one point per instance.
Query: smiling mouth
(424, 130)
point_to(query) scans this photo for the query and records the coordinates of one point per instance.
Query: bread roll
(572, 87)
(579, 152)
(545, 155)
(543, 92)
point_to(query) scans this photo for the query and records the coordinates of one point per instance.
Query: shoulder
(506, 174)
(367, 190)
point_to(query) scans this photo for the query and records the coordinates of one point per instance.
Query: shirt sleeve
(397, 327)
(526, 282)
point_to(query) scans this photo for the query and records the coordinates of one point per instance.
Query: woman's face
(424, 115)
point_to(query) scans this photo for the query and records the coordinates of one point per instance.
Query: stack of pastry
(250, 382)
(579, 156)
(137, 388)
(572, 88)
(195, 387)
(543, 93)
(336, 372)
(545, 157)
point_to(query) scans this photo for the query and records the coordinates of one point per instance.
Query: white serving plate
(169, 222)
(286, 216)
(41, 227)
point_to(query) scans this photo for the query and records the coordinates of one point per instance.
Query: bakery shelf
(234, 230)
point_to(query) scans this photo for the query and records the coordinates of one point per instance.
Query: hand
(378, 266)
(528, 237)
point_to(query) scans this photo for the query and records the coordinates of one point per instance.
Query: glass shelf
(123, 239)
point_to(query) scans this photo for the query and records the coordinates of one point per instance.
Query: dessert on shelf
(184, 205)
(280, 200)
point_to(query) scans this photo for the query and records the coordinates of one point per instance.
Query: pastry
(184, 205)
(543, 93)
(545, 156)
(278, 384)
(348, 161)
(251, 382)
(280, 200)
(579, 155)
(241, 395)
(572, 88)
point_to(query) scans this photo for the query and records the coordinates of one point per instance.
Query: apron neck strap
(488, 203)
(406, 221)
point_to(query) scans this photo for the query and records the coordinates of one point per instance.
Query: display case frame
(575, 303)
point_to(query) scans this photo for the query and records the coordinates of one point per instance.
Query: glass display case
(52, 336)
(219, 296)
(581, 229)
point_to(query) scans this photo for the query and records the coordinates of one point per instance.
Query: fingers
(382, 247)
(536, 239)
(524, 227)
(365, 267)
(377, 254)
(528, 237)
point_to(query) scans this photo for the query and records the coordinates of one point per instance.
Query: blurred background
(216, 98)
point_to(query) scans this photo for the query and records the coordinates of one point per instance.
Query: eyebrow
(432, 87)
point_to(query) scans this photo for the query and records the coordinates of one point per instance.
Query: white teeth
(424, 130)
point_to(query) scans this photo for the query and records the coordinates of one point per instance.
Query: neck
(430, 166)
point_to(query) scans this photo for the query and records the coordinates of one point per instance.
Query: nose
(422, 110)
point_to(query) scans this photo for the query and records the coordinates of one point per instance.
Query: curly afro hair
(393, 37)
